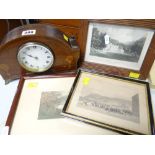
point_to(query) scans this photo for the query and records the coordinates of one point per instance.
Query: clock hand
(35, 57)
(32, 56)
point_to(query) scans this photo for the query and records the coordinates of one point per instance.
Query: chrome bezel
(30, 44)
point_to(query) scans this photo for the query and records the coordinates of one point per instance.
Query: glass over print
(121, 46)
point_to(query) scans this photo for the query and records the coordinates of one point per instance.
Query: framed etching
(118, 48)
(39, 101)
(38, 104)
(112, 102)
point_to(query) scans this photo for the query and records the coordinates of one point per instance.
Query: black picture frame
(70, 110)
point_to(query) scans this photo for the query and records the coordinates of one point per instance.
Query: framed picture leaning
(119, 47)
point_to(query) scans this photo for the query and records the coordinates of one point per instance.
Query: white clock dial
(35, 57)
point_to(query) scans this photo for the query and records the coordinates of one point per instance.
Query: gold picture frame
(119, 104)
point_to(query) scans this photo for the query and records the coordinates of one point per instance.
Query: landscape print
(117, 107)
(110, 97)
(117, 42)
(51, 104)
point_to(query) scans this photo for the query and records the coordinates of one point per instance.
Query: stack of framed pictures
(106, 104)
(123, 48)
(119, 47)
(37, 107)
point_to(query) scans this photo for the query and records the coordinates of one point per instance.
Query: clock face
(35, 57)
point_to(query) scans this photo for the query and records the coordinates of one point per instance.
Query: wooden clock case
(65, 50)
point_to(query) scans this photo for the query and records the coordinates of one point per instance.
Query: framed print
(37, 107)
(119, 104)
(119, 48)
